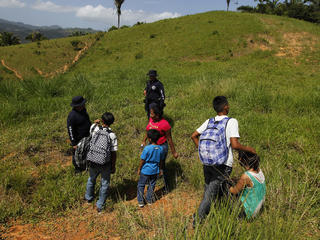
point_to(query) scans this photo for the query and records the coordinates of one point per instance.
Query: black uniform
(78, 124)
(155, 95)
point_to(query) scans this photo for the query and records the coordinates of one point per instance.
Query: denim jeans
(214, 177)
(94, 171)
(151, 180)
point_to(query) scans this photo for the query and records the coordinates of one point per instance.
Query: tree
(7, 39)
(35, 37)
(118, 4)
(228, 3)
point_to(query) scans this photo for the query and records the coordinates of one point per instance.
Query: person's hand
(175, 155)
(252, 150)
(97, 121)
(160, 172)
(74, 147)
(138, 172)
(143, 144)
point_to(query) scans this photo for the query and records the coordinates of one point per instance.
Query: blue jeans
(214, 176)
(151, 180)
(94, 171)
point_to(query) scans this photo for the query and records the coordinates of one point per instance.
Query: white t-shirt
(113, 137)
(232, 130)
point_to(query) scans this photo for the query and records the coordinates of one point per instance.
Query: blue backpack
(213, 149)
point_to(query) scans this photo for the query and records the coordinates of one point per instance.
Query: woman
(157, 122)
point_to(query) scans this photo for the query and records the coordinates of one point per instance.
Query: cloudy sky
(101, 14)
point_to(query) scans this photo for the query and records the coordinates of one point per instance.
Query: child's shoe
(141, 205)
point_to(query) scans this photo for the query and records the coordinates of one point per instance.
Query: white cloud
(12, 3)
(108, 15)
(52, 7)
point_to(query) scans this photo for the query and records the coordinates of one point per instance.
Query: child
(151, 160)
(102, 158)
(252, 182)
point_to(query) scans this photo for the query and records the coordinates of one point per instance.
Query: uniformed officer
(154, 92)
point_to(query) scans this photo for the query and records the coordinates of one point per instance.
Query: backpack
(213, 149)
(80, 155)
(100, 147)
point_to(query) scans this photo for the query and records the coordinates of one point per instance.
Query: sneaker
(149, 203)
(141, 205)
(99, 210)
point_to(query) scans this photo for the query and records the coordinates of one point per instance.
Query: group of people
(215, 140)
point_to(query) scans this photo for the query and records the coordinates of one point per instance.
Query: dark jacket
(155, 92)
(78, 124)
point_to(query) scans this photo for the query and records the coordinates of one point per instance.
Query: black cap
(78, 101)
(152, 73)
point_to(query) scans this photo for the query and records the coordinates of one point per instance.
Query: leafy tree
(118, 4)
(7, 39)
(35, 37)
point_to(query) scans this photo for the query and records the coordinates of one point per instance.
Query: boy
(216, 138)
(101, 158)
(151, 160)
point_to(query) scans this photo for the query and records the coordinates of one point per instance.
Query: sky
(101, 14)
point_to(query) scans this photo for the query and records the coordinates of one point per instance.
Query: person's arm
(195, 138)
(142, 162)
(238, 146)
(243, 181)
(169, 138)
(113, 161)
(70, 126)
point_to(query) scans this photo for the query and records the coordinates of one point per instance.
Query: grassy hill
(267, 66)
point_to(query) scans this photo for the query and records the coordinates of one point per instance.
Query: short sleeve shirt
(162, 126)
(151, 154)
(113, 137)
(232, 130)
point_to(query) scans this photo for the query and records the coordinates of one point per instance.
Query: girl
(252, 182)
(157, 122)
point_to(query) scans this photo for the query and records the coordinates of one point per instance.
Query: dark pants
(214, 177)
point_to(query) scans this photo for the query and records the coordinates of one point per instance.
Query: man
(78, 124)
(216, 138)
(154, 92)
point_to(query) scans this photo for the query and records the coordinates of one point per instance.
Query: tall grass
(274, 99)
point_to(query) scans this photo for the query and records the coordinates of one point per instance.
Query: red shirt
(162, 126)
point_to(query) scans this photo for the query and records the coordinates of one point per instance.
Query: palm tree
(228, 3)
(118, 4)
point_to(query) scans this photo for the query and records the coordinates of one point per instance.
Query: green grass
(275, 99)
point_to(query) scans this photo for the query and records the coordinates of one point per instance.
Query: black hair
(154, 135)
(157, 110)
(249, 159)
(219, 102)
(107, 118)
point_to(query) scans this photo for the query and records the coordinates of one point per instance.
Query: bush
(113, 28)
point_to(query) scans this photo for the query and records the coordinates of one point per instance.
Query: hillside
(267, 66)
(51, 32)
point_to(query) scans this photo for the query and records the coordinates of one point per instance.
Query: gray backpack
(100, 147)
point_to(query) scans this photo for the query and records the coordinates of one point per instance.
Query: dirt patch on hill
(67, 65)
(18, 75)
(294, 44)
